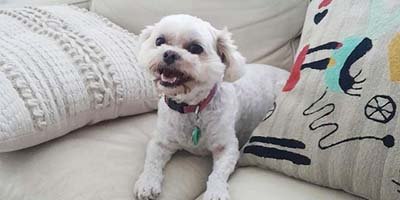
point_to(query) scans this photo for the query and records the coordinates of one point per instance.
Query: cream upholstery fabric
(264, 30)
(103, 162)
(97, 162)
(257, 184)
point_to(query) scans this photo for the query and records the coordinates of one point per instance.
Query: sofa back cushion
(266, 31)
(19, 3)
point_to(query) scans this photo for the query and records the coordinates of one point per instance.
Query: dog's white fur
(227, 121)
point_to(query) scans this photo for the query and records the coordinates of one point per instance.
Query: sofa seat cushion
(97, 162)
(257, 184)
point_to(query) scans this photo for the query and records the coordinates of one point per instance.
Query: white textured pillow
(62, 68)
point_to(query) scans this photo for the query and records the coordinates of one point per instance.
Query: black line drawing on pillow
(381, 108)
(337, 67)
(388, 140)
(270, 112)
(397, 183)
(321, 15)
(338, 76)
(283, 142)
(274, 153)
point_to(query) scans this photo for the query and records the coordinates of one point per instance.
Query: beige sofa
(104, 160)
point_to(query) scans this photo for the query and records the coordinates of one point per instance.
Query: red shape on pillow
(295, 73)
(324, 3)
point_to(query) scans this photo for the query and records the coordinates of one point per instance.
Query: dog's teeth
(166, 79)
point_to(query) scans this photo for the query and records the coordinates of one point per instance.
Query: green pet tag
(196, 135)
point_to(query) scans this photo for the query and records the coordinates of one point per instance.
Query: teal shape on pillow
(337, 74)
(337, 67)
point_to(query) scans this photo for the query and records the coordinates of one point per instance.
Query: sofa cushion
(62, 68)
(266, 31)
(97, 162)
(257, 184)
(337, 122)
(15, 3)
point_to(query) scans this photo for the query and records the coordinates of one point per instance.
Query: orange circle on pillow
(394, 58)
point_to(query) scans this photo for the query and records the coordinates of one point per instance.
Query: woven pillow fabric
(337, 121)
(62, 68)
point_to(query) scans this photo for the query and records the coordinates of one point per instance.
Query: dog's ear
(145, 34)
(230, 56)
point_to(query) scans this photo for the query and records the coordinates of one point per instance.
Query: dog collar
(185, 108)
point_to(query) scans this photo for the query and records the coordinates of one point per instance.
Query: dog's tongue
(168, 79)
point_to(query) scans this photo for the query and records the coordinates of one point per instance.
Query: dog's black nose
(170, 57)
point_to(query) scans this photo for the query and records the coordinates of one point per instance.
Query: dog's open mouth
(171, 77)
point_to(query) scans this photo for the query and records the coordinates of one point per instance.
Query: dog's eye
(160, 41)
(195, 49)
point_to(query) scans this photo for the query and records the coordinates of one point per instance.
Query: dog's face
(184, 52)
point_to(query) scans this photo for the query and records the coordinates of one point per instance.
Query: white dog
(199, 113)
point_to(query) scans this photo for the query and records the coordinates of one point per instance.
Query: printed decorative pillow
(337, 122)
(62, 68)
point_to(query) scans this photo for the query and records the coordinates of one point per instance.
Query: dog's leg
(225, 158)
(148, 186)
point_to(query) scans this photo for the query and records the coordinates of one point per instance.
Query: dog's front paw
(147, 187)
(216, 194)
